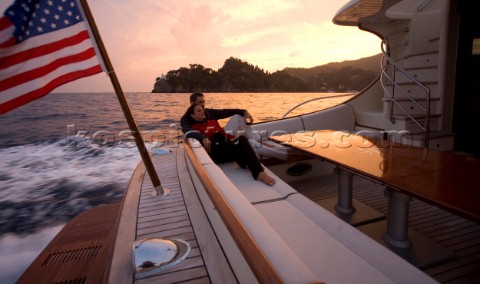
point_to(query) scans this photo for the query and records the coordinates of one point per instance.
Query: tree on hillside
(281, 80)
(239, 76)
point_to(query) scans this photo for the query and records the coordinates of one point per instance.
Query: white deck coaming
(144, 216)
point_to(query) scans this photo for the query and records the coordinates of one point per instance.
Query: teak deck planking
(81, 252)
(170, 217)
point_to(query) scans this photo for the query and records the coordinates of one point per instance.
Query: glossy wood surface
(446, 179)
(80, 253)
(258, 261)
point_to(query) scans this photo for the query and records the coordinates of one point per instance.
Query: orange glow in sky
(148, 38)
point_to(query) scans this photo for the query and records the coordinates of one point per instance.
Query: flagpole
(158, 189)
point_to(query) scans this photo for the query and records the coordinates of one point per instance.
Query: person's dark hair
(190, 111)
(194, 96)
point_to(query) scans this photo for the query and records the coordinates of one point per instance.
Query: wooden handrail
(256, 259)
(121, 270)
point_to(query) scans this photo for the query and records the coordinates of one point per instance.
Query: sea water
(66, 153)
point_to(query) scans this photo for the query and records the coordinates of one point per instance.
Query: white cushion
(366, 249)
(283, 259)
(303, 241)
(254, 190)
(341, 117)
(279, 127)
(320, 251)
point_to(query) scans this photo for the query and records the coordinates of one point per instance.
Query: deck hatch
(152, 256)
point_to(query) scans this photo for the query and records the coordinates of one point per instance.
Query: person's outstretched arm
(217, 114)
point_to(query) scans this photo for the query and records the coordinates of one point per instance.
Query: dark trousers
(240, 151)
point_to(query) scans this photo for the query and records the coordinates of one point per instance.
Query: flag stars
(25, 7)
(42, 33)
(36, 17)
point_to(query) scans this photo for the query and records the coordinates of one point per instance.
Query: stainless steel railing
(315, 99)
(389, 64)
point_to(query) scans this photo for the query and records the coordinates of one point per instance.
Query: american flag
(43, 44)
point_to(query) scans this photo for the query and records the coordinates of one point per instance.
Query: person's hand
(248, 117)
(207, 144)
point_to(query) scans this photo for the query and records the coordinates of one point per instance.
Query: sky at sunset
(148, 38)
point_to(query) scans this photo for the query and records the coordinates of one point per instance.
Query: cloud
(145, 38)
(259, 11)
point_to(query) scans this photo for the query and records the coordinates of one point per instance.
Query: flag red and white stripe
(35, 65)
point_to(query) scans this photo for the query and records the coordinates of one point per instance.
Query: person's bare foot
(266, 179)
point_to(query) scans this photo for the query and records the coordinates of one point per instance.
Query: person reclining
(223, 147)
(236, 126)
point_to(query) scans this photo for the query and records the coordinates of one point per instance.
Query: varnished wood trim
(445, 179)
(80, 252)
(122, 263)
(96, 251)
(217, 265)
(256, 259)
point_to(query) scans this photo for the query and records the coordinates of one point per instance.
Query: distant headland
(239, 76)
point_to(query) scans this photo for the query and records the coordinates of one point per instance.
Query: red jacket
(210, 127)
